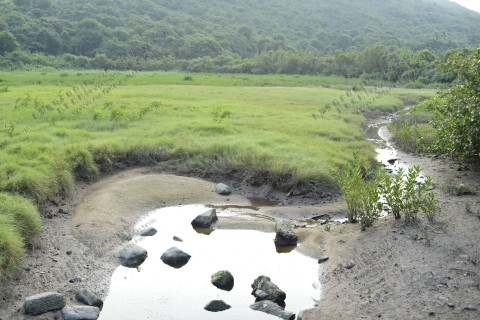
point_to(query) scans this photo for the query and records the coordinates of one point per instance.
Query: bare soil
(390, 271)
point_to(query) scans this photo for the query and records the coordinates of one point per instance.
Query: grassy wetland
(289, 132)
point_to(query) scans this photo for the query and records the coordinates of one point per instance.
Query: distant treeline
(390, 40)
(376, 62)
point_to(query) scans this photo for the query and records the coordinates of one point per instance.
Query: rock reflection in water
(161, 292)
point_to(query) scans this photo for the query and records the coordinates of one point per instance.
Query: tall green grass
(60, 126)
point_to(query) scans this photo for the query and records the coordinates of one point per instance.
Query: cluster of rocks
(55, 302)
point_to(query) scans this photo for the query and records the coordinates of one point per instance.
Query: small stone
(217, 306)
(431, 313)
(69, 253)
(223, 189)
(44, 302)
(470, 308)
(89, 298)
(451, 305)
(206, 219)
(148, 232)
(322, 260)
(284, 234)
(265, 289)
(272, 308)
(133, 256)
(350, 265)
(81, 313)
(77, 279)
(175, 258)
(175, 238)
(223, 280)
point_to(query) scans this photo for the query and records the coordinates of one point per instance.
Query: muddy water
(157, 291)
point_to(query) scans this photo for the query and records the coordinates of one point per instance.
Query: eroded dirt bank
(391, 271)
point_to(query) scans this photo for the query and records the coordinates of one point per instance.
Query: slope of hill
(189, 29)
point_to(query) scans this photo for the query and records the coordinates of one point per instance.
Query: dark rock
(284, 234)
(223, 280)
(431, 313)
(89, 298)
(350, 265)
(77, 279)
(148, 232)
(206, 219)
(322, 260)
(175, 238)
(175, 258)
(217, 306)
(223, 189)
(392, 161)
(272, 308)
(265, 289)
(44, 302)
(132, 256)
(451, 305)
(81, 313)
(69, 253)
(470, 308)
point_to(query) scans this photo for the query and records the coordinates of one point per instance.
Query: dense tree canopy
(392, 40)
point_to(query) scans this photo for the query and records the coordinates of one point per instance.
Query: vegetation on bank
(448, 123)
(65, 125)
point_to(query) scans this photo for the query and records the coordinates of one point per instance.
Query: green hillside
(189, 29)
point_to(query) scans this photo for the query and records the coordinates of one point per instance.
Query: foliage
(359, 185)
(404, 194)
(391, 40)
(457, 111)
(364, 188)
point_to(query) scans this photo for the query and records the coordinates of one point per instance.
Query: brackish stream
(157, 291)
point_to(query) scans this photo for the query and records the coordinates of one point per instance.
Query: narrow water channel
(157, 291)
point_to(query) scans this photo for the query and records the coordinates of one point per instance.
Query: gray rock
(132, 256)
(81, 313)
(89, 298)
(175, 257)
(175, 238)
(265, 289)
(350, 265)
(206, 219)
(273, 309)
(148, 232)
(284, 233)
(44, 302)
(470, 308)
(223, 189)
(217, 306)
(223, 280)
(322, 260)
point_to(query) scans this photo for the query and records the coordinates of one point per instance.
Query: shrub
(457, 115)
(359, 185)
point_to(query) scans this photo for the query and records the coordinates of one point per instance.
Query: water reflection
(161, 292)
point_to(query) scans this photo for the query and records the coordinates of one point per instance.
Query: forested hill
(188, 29)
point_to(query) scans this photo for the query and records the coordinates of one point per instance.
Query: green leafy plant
(219, 114)
(359, 185)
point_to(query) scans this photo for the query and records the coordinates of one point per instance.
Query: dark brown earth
(398, 271)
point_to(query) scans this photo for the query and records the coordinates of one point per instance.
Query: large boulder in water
(206, 219)
(175, 258)
(223, 280)
(265, 289)
(133, 256)
(44, 302)
(272, 308)
(217, 306)
(89, 298)
(80, 313)
(284, 234)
